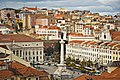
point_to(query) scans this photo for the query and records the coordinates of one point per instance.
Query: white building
(88, 30)
(100, 52)
(79, 36)
(5, 30)
(79, 27)
(49, 32)
(8, 12)
(23, 46)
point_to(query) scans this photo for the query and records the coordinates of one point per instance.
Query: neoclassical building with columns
(23, 46)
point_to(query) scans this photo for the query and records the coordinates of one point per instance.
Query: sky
(108, 7)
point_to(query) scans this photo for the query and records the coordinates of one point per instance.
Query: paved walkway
(51, 69)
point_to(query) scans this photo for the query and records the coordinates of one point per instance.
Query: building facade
(96, 51)
(8, 12)
(24, 47)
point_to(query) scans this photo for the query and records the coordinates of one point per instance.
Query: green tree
(73, 60)
(68, 60)
(83, 63)
(77, 61)
(57, 47)
(89, 63)
(56, 56)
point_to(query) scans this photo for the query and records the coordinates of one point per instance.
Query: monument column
(62, 52)
(62, 73)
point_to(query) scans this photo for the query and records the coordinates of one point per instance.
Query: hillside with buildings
(32, 35)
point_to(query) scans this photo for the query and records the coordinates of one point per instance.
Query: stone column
(62, 52)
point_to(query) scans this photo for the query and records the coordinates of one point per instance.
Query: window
(17, 53)
(26, 53)
(113, 58)
(37, 52)
(33, 57)
(110, 57)
(40, 52)
(20, 53)
(29, 79)
(37, 58)
(104, 36)
(33, 52)
(40, 57)
(14, 52)
(36, 78)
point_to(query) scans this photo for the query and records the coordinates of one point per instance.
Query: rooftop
(17, 38)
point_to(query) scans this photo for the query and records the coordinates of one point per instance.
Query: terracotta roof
(75, 34)
(87, 42)
(114, 34)
(58, 16)
(25, 71)
(112, 44)
(76, 41)
(93, 43)
(6, 74)
(54, 28)
(83, 77)
(117, 38)
(32, 8)
(2, 63)
(44, 27)
(86, 27)
(17, 38)
(116, 73)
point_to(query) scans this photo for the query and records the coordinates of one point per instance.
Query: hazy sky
(103, 6)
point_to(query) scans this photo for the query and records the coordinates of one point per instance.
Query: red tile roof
(115, 34)
(6, 74)
(32, 8)
(17, 38)
(76, 41)
(2, 63)
(114, 75)
(83, 77)
(58, 16)
(25, 71)
(75, 34)
(117, 38)
(86, 27)
(54, 28)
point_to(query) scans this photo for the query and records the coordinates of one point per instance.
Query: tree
(56, 56)
(77, 61)
(83, 63)
(73, 60)
(68, 60)
(49, 51)
(57, 47)
(89, 63)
